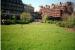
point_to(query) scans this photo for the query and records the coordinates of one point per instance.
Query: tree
(44, 18)
(25, 17)
(70, 8)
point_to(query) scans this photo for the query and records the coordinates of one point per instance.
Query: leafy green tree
(25, 17)
(44, 18)
(70, 7)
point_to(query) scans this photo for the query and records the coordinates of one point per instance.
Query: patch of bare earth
(70, 29)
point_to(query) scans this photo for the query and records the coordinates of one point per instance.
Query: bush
(6, 22)
(69, 22)
(22, 22)
(52, 22)
(11, 20)
(61, 24)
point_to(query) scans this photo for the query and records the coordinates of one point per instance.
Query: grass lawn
(36, 36)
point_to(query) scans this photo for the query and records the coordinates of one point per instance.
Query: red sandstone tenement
(56, 10)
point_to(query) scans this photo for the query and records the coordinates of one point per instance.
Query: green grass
(36, 36)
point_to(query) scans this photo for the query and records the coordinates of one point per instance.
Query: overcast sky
(37, 3)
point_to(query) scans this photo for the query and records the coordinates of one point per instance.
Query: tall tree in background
(25, 16)
(70, 7)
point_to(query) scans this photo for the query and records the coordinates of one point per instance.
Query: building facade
(28, 8)
(56, 11)
(11, 8)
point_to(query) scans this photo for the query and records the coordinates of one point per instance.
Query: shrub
(22, 22)
(61, 24)
(6, 22)
(51, 21)
(11, 20)
(69, 22)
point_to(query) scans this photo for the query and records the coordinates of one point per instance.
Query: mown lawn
(36, 36)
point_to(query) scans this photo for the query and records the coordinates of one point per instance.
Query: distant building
(11, 8)
(36, 16)
(56, 10)
(28, 8)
